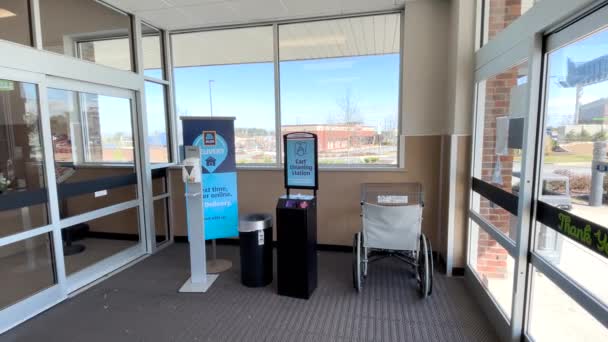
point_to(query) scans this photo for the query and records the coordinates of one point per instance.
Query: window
(15, 21)
(152, 51)
(100, 35)
(156, 108)
(230, 73)
(498, 14)
(340, 80)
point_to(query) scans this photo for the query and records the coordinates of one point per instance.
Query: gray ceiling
(180, 14)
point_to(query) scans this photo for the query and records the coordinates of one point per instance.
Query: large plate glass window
(15, 21)
(351, 68)
(230, 73)
(87, 29)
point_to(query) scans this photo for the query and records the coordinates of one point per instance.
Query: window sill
(321, 169)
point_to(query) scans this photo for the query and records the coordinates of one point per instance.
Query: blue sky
(561, 101)
(310, 90)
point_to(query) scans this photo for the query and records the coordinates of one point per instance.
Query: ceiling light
(4, 13)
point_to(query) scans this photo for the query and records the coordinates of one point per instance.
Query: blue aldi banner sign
(215, 138)
(301, 168)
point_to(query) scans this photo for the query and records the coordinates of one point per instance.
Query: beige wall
(459, 118)
(339, 193)
(425, 47)
(463, 186)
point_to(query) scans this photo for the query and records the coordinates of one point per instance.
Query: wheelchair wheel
(431, 264)
(357, 271)
(363, 256)
(423, 268)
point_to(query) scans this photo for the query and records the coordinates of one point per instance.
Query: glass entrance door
(96, 171)
(568, 298)
(28, 244)
(497, 172)
(538, 239)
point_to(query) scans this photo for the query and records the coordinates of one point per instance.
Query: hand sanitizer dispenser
(199, 280)
(191, 171)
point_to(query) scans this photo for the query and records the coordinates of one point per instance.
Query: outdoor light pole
(210, 98)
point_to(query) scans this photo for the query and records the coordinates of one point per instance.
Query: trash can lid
(253, 222)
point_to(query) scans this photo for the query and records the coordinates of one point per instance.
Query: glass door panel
(23, 193)
(575, 142)
(494, 267)
(26, 256)
(571, 231)
(26, 268)
(501, 110)
(97, 182)
(575, 131)
(555, 316)
(106, 236)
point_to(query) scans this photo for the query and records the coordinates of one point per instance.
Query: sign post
(215, 138)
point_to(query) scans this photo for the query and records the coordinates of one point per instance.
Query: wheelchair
(392, 227)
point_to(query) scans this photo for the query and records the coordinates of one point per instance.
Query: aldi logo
(209, 138)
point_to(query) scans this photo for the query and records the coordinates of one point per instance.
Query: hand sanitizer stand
(199, 280)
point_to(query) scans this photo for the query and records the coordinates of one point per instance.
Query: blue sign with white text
(215, 138)
(300, 166)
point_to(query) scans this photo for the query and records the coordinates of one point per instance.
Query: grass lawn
(563, 158)
(567, 158)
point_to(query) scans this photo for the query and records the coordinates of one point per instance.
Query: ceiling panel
(139, 5)
(299, 41)
(205, 13)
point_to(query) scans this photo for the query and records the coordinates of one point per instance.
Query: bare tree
(349, 108)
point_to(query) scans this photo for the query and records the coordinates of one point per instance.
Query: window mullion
(277, 93)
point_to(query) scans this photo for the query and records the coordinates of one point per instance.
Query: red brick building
(337, 137)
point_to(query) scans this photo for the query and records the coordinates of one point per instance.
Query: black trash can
(255, 235)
